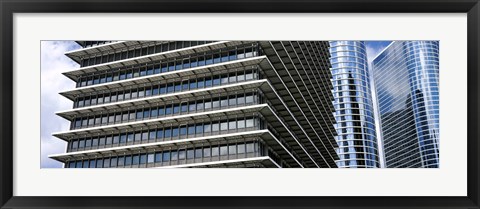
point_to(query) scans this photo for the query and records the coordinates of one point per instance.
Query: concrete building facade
(141, 104)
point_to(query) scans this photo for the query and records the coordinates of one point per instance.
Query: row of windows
(347, 43)
(167, 156)
(164, 110)
(168, 133)
(167, 66)
(125, 54)
(167, 88)
(95, 43)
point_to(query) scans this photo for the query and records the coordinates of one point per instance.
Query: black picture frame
(10, 7)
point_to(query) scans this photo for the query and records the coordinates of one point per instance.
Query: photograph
(240, 104)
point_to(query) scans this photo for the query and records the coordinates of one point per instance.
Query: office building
(353, 105)
(200, 104)
(406, 76)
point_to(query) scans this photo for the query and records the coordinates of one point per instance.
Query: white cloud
(53, 63)
(372, 53)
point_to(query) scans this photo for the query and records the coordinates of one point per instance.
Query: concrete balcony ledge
(74, 74)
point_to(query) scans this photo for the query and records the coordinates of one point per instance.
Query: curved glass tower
(406, 77)
(353, 106)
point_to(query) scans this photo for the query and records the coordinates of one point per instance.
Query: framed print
(308, 104)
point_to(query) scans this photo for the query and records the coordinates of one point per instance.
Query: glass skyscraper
(406, 76)
(141, 104)
(353, 106)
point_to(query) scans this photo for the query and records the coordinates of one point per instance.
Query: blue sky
(53, 63)
(374, 47)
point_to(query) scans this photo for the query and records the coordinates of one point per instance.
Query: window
(128, 160)
(224, 79)
(178, 87)
(223, 150)
(215, 126)
(158, 157)
(75, 144)
(88, 122)
(160, 134)
(240, 124)
(88, 143)
(216, 103)
(207, 128)
(102, 141)
(123, 138)
(121, 161)
(249, 123)
(161, 111)
(184, 107)
(199, 129)
(174, 155)
(138, 136)
(166, 156)
(154, 112)
(139, 114)
(174, 132)
(111, 119)
(249, 99)
(125, 116)
(81, 143)
(106, 163)
(208, 104)
(144, 135)
(198, 153)
(192, 107)
(232, 149)
(232, 125)
(181, 155)
(224, 126)
(232, 100)
(199, 105)
(190, 154)
(208, 82)
(250, 147)
(168, 110)
(215, 151)
(152, 135)
(143, 158)
(206, 152)
(183, 130)
(216, 80)
(200, 83)
(168, 133)
(99, 163)
(92, 164)
(85, 164)
(241, 148)
(109, 140)
(191, 129)
(146, 113)
(224, 102)
(95, 142)
(150, 158)
(113, 162)
(135, 159)
(130, 137)
(176, 109)
(116, 139)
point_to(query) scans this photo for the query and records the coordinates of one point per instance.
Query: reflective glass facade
(353, 106)
(141, 104)
(406, 78)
